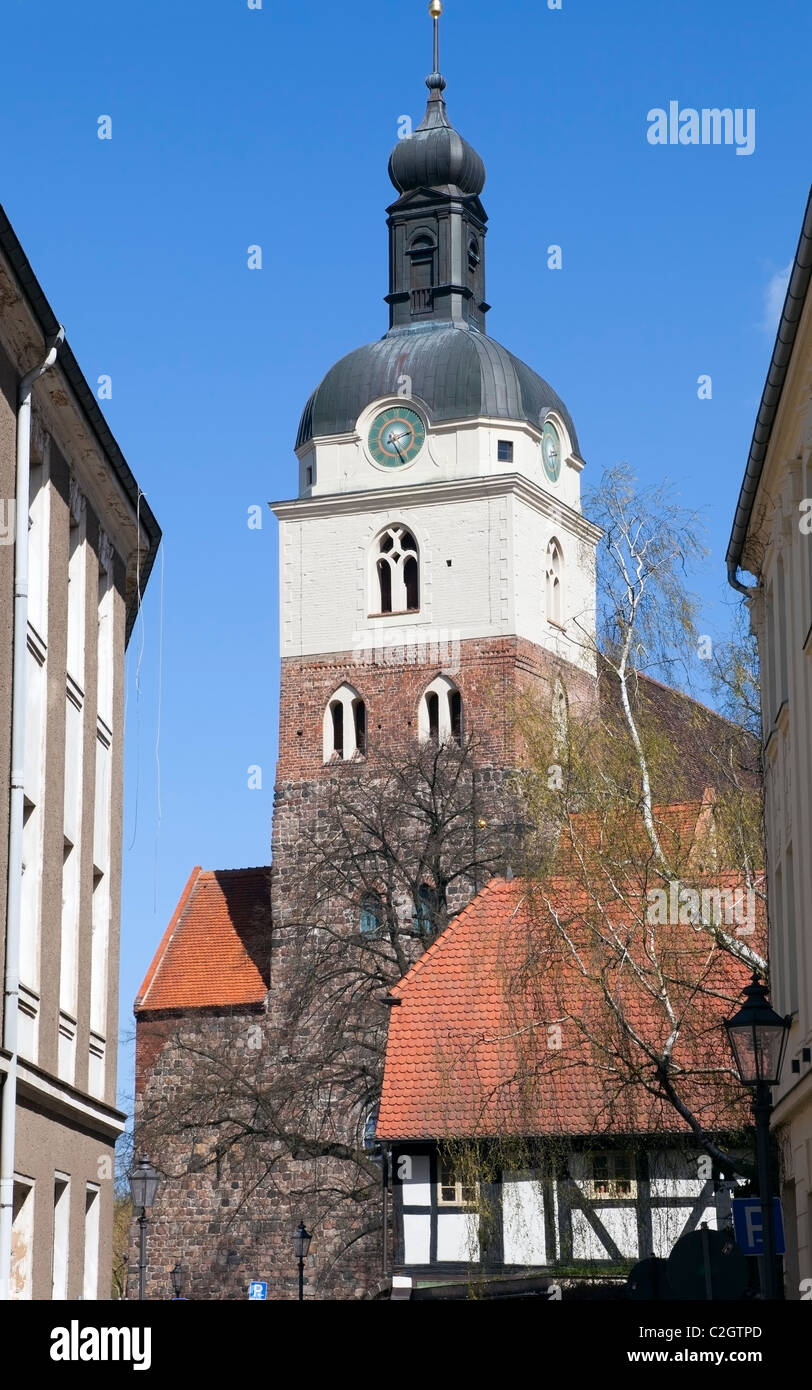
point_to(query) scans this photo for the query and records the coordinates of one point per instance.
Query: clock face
(551, 451)
(396, 436)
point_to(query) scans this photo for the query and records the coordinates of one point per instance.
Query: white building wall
(495, 540)
(779, 541)
(453, 451)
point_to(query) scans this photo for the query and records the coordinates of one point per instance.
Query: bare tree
(653, 895)
(399, 848)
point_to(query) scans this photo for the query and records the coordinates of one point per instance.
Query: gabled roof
(216, 951)
(467, 1051)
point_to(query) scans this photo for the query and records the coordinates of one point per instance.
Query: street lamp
(143, 1186)
(177, 1280)
(758, 1039)
(301, 1244)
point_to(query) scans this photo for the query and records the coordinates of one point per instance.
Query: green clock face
(396, 436)
(551, 451)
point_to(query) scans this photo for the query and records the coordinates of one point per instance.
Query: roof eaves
(771, 395)
(49, 326)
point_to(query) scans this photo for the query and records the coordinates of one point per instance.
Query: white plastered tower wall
(482, 534)
(460, 449)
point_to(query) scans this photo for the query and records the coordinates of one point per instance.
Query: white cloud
(774, 296)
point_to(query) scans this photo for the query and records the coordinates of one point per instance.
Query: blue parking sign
(749, 1229)
(257, 1290)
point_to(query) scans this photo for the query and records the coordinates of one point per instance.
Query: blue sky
(234, 127)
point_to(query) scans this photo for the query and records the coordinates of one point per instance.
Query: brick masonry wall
(222, 1222)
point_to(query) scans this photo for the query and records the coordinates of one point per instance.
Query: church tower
(436, 558)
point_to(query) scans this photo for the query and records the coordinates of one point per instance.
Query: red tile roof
(468, 1051)
(216, 950)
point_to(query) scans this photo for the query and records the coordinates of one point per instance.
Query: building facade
(514, 1168)
(91, 541)
(772, 539)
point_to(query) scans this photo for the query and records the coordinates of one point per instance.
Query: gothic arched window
(345, 726)
(440, 713)
(554, 573)
(397, 572)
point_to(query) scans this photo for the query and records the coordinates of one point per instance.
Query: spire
(436, 83)
(437, 226)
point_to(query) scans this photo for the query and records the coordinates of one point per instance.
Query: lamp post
(301, 1244)
(758, 1039)
(143, 1186)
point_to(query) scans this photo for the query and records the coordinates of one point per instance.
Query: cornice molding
(428, 494)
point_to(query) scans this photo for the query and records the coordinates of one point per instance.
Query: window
(106, 640)
(22, 1238)
(455, 715)
(38, 525)
(440, 713)
(553, 572)
(371, 914)
(790, 934)
(612, 1175)
(370, 1143)
(425, 911)
(397, 581)
(421, 274)
(455, 1191)
(433, 711)
(59, 1283)
(766, 647)
(560, 717)
(781, 626)
(504, 451)
(359, 712)
(90, 1283)
(473, 256)
(337, 711)
(345, 726)
(77, 574)
(309, 475)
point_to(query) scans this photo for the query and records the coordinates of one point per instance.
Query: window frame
(444, 1168)
(612, 1183)
(395, 588)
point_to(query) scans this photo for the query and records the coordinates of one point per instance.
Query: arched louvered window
(554, 574)
(397, 572)
(422, 274)
(440, 713)
(345, 726)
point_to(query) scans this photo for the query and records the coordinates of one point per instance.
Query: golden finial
(435, 9)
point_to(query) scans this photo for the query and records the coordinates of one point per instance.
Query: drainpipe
(8, 1106)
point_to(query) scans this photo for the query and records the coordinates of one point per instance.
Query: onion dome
(435, 155)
